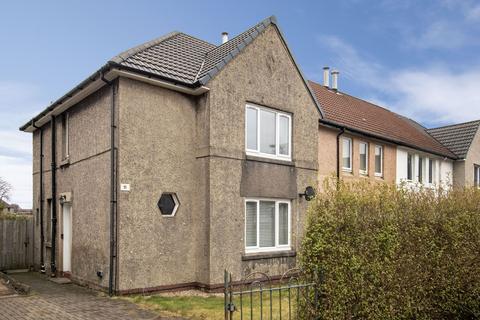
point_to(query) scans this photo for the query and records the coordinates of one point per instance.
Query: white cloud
(442, 35)
(15, 141)
(429, 94)
(18, 172)
(18, 103)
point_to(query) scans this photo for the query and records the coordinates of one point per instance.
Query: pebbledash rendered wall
(86, 177)
(195, 146)
(463, 170)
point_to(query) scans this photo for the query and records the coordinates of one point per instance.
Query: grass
(212, 306)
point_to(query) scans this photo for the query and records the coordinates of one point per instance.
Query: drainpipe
(342, 131)
(54, 200)
(113, 192)
(42, 234)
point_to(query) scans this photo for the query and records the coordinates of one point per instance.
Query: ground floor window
(267, 225)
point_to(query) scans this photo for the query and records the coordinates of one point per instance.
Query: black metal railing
(258, 296)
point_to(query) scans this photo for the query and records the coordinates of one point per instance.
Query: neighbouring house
(176, 160)
(13, 208)
(358, 139)
(463, 140)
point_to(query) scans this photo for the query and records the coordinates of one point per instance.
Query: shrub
(389, 253)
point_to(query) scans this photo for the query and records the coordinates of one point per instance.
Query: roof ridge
(455, 124)
(261, 26)
(130, 52)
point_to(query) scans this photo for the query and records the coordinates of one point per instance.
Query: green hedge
(387, 253)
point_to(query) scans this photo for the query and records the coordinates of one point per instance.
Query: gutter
(42, 234)
(109, 72)
(333, 124)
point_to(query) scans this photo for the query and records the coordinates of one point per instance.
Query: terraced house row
(179, 158)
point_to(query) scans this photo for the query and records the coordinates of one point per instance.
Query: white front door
(67, 237)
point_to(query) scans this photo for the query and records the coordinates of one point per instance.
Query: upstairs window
(431, 170)
(476, 177)
(420, 169)
(268, 133)
(363, 151)
(409, 167)
(65, 137)
(379, 161)
(347, 154)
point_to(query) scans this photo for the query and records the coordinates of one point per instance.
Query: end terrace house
(174, 161)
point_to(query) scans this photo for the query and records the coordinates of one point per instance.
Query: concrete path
(49, 300)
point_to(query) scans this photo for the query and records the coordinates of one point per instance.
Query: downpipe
(53, 266)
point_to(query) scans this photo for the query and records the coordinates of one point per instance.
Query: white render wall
(442, 173)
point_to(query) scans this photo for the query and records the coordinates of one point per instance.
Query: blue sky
(418, 58)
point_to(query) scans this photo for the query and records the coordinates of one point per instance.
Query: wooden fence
(16, 243)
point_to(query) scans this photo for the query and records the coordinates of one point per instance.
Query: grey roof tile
(457, 137)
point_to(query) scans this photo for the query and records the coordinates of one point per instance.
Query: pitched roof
(341, 109)
(178, 58)
(457, 137)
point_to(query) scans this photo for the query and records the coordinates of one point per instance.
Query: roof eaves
(452, 156)
(132, 51)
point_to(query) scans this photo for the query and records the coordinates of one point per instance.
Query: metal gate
(258, 296)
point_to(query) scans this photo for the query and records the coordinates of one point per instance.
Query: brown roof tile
(457, 137)
(342, 109)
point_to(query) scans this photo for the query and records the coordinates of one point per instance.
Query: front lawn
(194, 305)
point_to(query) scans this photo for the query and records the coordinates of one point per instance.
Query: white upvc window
(420, 172)
(432, 177)
(363, 152)
(268, 133)
(410, 166)
(379, 161)
(347, 154)
(476, 177)
(267, 225)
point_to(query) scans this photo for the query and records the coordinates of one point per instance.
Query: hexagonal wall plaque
(168, 204)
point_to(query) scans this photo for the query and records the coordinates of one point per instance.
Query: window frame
(378, 174)
(257, 152)
(277, 247)
(363, 172)
(412, 169)
(476, 176)
(348, 169)
(421, 171)
(65, 136)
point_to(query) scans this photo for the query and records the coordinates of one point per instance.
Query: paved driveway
(49, 300)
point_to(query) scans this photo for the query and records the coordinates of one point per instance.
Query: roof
(457, 137)
(341, 109)
(179, 58)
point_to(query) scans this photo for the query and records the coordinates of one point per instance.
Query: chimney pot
(224, 37)
(335, 74)
(326, 76)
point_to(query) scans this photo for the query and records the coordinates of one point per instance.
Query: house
(374, 143)
(174, 161)
(463, 140)
(13, 208)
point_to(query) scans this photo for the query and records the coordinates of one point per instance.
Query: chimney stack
(326, 76)
(335, 79)
(224, 37)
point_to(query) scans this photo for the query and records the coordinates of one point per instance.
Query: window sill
(285, 162)
(268, 255)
